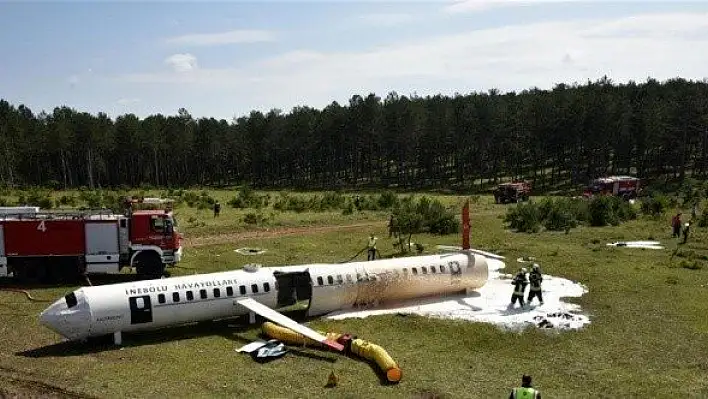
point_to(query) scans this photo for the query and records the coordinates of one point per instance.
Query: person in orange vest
(526, 391)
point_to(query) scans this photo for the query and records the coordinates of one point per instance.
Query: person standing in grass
(372, 247)
(686, 230)
(676, 225)
(526, 391)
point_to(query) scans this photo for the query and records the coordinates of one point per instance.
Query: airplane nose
(68, 317)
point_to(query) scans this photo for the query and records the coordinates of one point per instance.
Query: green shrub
(437, 219)
(691, 264)
(560, 218)
(287, 202)
(524, 217)
(68, 200)
(426, 215)
(655, 205)
(601, 213)
(563, 214)
(610, 210)
(246, 198)
(703, 219)
(387, 200)
(348, 208)
(257, 218)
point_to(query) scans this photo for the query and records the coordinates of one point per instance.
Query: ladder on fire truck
(88, 214)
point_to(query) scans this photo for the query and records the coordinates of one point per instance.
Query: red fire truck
(627, 187)
(62, 245)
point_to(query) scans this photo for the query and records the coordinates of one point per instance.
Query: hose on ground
(27, 294)
(353, 257)
(359, 347)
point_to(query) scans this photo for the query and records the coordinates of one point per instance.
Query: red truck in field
(62, 245)
(513, 192)
(627, 187)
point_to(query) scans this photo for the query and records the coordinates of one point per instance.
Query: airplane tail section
(466, 225)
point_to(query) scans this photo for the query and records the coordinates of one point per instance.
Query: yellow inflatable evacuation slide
(358, 347)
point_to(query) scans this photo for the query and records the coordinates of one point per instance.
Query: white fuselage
(149, 304)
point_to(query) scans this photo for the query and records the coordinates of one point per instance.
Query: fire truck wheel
(148, 265)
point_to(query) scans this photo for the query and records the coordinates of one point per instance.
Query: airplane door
(455, 271)
(140, 309)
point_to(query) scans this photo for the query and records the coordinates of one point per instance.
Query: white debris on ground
(637, 244)
(491, 304)
(250, 251)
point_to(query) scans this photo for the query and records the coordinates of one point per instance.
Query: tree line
(555, 138)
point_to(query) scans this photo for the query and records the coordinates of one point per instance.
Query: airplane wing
(452, 248)
(285, 321)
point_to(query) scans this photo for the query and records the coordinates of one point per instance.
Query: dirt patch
(16, 387)
(270, 233)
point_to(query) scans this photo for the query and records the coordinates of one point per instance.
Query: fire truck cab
(627, 187)
(49, 245)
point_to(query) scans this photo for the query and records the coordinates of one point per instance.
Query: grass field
(648, 336)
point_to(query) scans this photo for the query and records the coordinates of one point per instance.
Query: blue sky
(223, 59)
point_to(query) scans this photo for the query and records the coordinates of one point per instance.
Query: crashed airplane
(266, 291)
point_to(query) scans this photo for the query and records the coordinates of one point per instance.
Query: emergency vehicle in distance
(626, 187)
(62, 245)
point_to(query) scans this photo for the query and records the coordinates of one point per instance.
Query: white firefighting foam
(491, 304)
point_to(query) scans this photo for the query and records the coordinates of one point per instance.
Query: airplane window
(203, 294)
(339, 279)
(190, 296)
(175, 297)
(424, 269)
(349, 278)
(229, 291)
(358, 277)
(161, 298)
(266, 287)
(242, 290)
(217, 293)
(330, 280)
(70, 300)
(254, 288)
(442, 269)
(415, 271)
(405, 271)
(139, 303)
(433, 269)
(320, 281)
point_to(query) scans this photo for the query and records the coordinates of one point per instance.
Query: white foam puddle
(491, 304)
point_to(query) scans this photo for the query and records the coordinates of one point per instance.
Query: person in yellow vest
(526, 391)
(372, 247)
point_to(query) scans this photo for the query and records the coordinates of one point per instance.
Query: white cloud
(463, 6)
(230, 37)
(128, 101)
(182, 62)
(508, 58)
(73, 80)
(387, 19)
